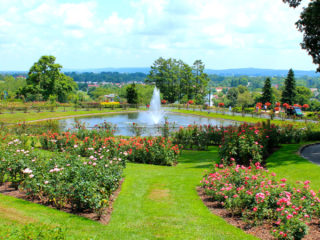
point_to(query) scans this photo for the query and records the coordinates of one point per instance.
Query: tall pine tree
(289, 92)
(132, 94)
(267, 91)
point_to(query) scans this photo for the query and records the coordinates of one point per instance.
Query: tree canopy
(309, 25)
(178, 81)
(45, 79)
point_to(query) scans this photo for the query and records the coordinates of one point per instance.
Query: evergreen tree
(132, 94)
(289, 92)
(267, 92)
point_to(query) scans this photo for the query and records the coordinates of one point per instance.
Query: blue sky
(134, 33)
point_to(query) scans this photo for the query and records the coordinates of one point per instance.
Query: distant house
(219, 89)
(109, 97)
(93, 85)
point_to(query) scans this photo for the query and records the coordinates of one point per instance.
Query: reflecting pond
(124, 122)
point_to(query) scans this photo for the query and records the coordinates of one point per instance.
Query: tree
(178, 81)
(232, 95)
(289, 92)
(267, 92)
(309, 25)
(201, 81)
(132, 94)
(244, 100)
(45, 79)
(242, 89)
(303, 95)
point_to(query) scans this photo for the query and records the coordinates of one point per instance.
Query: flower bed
(254, 194)
(154, 150)
(110, 104)
(63, 179)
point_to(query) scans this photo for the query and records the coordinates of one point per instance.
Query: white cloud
(186, 29)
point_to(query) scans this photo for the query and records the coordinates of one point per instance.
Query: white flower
(46, 182)
(31, 176)
(27, 170)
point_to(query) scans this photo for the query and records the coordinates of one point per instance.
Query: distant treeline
(253, 82)
(258, 82)
(114, 77)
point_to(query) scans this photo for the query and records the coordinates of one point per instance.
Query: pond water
(124, 122)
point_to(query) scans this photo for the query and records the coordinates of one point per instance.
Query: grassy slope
(287, 163)
(155, 202)
(31, 116)
(240, 118)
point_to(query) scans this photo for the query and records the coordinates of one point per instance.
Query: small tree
(267, 91)
(289, 92)
(132, 94)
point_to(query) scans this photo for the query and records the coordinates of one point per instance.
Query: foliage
(45, 79)
(31, 231)
(178, 81)
(232, 95)
(245, 99)
(110, 77)
(131, 94)
(255, 195)
(308, 24)
(303, 95)
(63, 179)
(289, 92)
(198, 137)
(267, 95)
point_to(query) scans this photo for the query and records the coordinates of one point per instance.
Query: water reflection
(124, 122)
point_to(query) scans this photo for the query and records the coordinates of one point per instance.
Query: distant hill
(258, 72)
(99, 70)
(252, 72)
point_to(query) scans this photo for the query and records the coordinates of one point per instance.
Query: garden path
(312, 153)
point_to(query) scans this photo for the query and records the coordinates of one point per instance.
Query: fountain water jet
(155, 112)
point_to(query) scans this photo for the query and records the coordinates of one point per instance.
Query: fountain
(155, 112)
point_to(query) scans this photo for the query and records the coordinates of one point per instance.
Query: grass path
(155, 202)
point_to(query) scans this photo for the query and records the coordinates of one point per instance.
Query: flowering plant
(254, 194)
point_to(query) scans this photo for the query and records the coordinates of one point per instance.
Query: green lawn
(32, 116)
(287, 163)
(244, 119)
(156, 202)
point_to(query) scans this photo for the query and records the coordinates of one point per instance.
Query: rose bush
(63, 179)
(254, 194)
(154, 150)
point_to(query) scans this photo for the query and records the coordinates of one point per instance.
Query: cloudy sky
(134, 33)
